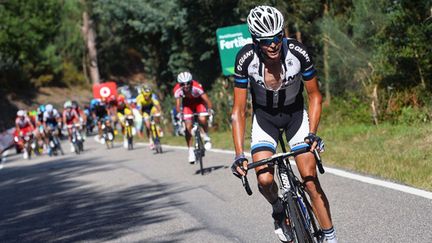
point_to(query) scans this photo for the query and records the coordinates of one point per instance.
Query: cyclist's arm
(207, 101)
(158, 106)
(315, 100)
(17, 128)
(238, 118)
(178, 105)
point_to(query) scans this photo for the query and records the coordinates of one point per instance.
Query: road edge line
(341, 173)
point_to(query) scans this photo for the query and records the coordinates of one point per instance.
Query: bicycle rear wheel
(129, 137)
(297, 220)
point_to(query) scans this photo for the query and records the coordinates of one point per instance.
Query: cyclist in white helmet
(191, 98)
(277, 69)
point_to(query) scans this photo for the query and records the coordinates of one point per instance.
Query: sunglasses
(268, 41)
(186, 84)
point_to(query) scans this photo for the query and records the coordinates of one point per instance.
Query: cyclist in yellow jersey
(123, 111)
(148, 106)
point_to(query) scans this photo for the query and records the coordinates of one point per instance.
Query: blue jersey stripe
(263, 145)
(309, 73)
(304, 145)
(243, 80)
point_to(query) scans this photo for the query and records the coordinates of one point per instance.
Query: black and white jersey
(296, 66)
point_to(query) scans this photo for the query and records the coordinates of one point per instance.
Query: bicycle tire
(199, 151)
(314, 230)
(129, 137)
(297, 221)
(77, 148)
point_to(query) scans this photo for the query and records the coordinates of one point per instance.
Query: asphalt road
(136, 196)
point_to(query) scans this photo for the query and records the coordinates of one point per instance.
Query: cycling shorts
(266, 128)
(150, 112)
(191, 108)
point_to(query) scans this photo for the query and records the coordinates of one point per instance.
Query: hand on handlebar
(315, 141)
(180, 116)
(239, 166)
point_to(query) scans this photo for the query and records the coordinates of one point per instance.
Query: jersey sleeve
(177, 91)
(197, 89)
(299, 50)
(243, 59)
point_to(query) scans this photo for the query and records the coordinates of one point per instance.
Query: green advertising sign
(230, 40)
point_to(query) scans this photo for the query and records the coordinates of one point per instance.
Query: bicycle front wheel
(297, 220)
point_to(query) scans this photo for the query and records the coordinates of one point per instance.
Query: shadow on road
(44, 202)
(209, 170)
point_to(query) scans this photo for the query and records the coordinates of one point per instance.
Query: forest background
(374, 59)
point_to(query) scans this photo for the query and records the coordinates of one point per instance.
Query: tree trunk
(374, 104)
(90, 40)
(326, 63)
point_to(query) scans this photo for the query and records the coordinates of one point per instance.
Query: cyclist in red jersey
(23, 125)
(191, 98)
(70, 117)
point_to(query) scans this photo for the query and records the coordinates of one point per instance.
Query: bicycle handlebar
(271, 161)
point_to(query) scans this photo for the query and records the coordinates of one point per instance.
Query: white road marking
(341, 173)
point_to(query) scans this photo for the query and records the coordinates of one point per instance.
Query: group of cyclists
(276, 70)
(111, 113)
(41, 123)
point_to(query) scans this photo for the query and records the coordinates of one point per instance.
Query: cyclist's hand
(315, 141)
(239, 167)
(180, 116)
(211, 112)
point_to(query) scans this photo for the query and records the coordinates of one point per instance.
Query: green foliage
(349, 109)
(36, 36)
(222, 99)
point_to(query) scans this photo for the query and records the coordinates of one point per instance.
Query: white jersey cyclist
(276, 108)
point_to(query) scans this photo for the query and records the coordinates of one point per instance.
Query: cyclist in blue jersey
(277, 70)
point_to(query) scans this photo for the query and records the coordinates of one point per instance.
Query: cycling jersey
(51, 118)
(192, 101)
(296, 64)
(23, 123)
(146, 105)
(282, 108)
(100, 112)
(70, 116)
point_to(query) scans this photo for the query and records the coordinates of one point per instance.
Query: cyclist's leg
(263, 145)
(157, 119)
(306, 165)
(188, 121)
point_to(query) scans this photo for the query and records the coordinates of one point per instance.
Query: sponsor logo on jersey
(300, 50)
(243, 59)
(290, 62)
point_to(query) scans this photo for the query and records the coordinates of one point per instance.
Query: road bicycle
(108, 134)
(298, 210)
(199, 149)
(129, 123)
(154, 132)
(54, 142)
(77, 138)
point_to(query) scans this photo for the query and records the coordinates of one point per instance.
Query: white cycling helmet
(184, 77)
(265, 21)
(67, 104)
(21, 113)
(49, 108)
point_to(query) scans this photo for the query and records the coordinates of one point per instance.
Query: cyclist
(274, 67)
(123, 111)
(99, 114)
(149, 106)
(70, 118)
(51, 122)
(191, 98)
(23, 126)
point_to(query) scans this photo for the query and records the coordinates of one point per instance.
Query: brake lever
(246, 186)
(318, 161)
